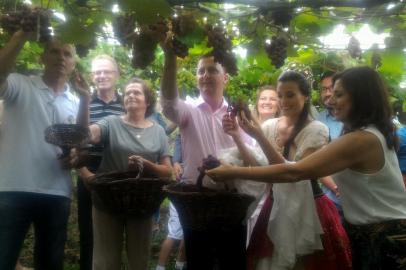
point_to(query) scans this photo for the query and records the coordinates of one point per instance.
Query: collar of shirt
(201, 103)
(40, 84)
(116, 98)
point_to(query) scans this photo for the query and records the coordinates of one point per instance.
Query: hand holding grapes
(224, 172)
(230, 125)
(249, 124)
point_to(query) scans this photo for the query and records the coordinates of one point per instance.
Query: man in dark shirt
(105, 101)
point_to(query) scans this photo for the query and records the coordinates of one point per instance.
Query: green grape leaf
(147, 11)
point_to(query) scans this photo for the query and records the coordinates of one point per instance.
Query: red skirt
(336, 253)
(260, 246)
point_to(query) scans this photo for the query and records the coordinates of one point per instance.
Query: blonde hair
(259, 92)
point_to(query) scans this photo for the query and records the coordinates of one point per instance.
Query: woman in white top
(290, 218)
(364, 162)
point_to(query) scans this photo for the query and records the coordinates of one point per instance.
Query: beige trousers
(109, 232)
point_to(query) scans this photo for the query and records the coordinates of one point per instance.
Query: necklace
(139, 135)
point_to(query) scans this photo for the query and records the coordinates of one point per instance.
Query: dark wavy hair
(304, 87)
(150, 97)
(370, 102)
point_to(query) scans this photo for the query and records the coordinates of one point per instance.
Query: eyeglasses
(327, 88)
(105, 72)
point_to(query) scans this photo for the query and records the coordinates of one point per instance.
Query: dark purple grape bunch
(29, 20)
(145, 43)
(277, 50)
(179, 48)
(236, 107)
(183, 25)
(354, 48)
(124, 27)
(144, 46)
(209, 163)
(222, 48)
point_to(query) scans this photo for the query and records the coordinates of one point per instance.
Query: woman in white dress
(366, 170)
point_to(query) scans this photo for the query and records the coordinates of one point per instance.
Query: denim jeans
(85, 225)
(49, 215)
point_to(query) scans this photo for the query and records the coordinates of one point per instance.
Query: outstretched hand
(79, 84)
(222, 173)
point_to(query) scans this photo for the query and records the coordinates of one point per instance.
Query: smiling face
(211, 78)
(58, 59)
(291, 99)
(340, 102)
(134, 97)
(267, 105)
(104, 74)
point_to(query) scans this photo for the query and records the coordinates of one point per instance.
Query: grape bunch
(222, 49)
(179, 48)
(144, 45)
(236, 107)
(124, 27)
(277, 50)
(354, 48)
(208, 163)
(183, 25)
(29, 20)
(83, 49)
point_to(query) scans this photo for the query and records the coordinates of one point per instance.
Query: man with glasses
(335, 127)
(105, 101)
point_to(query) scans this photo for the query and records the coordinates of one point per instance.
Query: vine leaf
(147, 11)
(77, 32)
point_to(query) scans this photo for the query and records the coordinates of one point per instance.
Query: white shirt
(376, 197)
(27, 162)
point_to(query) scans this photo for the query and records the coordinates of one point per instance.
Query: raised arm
(8, 55)
(168, 84)
(351, 150)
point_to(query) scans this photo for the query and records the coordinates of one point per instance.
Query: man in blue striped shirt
(105, 101)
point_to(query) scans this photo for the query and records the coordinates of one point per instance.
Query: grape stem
(199, 182)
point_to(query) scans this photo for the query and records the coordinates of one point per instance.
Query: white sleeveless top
(376, 197)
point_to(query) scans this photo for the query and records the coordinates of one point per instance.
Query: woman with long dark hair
(293, 136)
(364, 164)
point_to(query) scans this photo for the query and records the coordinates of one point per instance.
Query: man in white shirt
(34, 186)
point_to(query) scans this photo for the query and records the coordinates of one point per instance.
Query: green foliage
(249, 26)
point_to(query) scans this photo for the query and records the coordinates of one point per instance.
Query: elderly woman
(129, 139)
(365, 168)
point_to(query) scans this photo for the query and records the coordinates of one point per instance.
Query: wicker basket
(66, 135)
(124, 193)
(201, 209)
